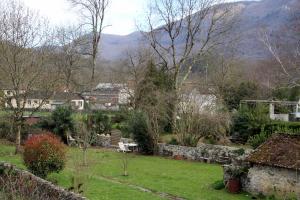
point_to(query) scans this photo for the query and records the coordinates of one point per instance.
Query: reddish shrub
(44, 154)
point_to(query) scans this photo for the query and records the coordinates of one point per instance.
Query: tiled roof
(281, 150)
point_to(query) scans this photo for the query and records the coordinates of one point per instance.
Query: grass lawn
(103, 177)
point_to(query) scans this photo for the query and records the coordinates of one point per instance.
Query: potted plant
(233, 185)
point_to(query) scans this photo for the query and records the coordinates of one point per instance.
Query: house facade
(108, 96)
(45, 101)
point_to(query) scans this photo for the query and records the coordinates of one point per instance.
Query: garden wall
(31, 186)
(205, 153)
(269, 181)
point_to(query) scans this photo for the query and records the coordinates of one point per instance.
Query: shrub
(5, 129)
(100, 123)
(218, 185)
(62, 122)
(256, 140)
(140, 132)
(119, 117)
(249, 121)
(280, 126)
(8, 131)
(194, 125)
(173, 141)
(239, 151)
(44, 154)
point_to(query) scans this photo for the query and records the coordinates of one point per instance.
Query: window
(29, 102)
(8, 92)
(35, 101)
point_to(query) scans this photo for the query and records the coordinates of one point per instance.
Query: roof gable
(281, 150)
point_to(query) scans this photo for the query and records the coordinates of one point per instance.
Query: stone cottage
(275, 168)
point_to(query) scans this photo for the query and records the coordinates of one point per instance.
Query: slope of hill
(251, 16)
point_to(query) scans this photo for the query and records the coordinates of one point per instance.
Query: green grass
(190, 180)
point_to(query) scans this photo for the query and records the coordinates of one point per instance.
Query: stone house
(108, 96)
(275, 168)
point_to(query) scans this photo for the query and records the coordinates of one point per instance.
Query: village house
(275, 167)
(46, 101)
(108, 96)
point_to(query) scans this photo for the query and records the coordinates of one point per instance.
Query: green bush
(250, 121)
(239, 152)
(277, 126)
(274, 128)
(44, 154)
(100, 123)
(5, 129)
(140, 132)
(218, 185)
(119, 117)
(256, 140)
(173, 141)
(60, 122)
(8, 131)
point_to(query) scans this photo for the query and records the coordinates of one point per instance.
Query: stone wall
(284, 183)
(30, 186)
(103, 141)
(205, 153)
(264, 180)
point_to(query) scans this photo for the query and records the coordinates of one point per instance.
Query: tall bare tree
(24, 51)
(287, 59)
(93, 13)
(284, 46)
(182, 31)
(69, 59)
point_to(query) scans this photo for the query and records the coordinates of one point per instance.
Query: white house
(44, 101)
(194, 99)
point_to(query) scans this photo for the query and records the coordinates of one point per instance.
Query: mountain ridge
(253, 15)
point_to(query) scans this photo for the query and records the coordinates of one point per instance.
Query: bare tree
(187, 30)
(69, 59)
(24, 51)
(288, 58)
(93, 13)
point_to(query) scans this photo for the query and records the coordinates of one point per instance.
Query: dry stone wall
(205, 153)
(31, 186)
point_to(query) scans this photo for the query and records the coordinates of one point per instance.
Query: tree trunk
(84, 156)
(174, 110)
(18, 139)
(93, 72)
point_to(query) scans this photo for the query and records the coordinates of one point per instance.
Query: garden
(149, 177)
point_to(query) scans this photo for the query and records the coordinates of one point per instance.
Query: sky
(121, 18)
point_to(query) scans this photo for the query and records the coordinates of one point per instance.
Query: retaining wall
(31, 186)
